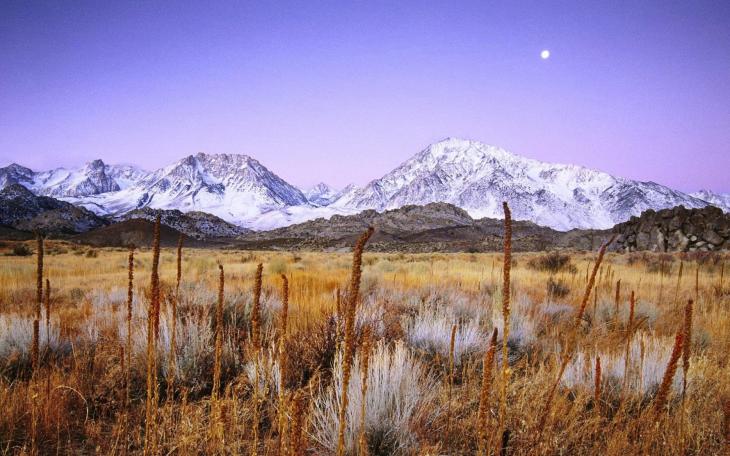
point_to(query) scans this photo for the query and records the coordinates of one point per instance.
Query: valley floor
(433, 382)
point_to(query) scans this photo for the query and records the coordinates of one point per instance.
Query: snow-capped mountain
(236, 188)
(94, 178)
(468, 174)
(16, 174)
(478, 177)
(320, 194)
(721, 200)
(324, 195)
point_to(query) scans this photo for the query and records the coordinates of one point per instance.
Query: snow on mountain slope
(320, 194)
(324, 195)
(721, 200)
(468, 174)
(16, 174)
(236, 188)
(478, 177)
(92, 179)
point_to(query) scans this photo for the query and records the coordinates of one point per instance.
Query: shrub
(557, 288)
(398, 386)
(21, 250)
(648, 356)
(552, 262)
(430, 330)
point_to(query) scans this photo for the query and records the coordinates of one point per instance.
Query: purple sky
(343, 93)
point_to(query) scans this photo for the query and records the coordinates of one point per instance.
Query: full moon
(545, 54)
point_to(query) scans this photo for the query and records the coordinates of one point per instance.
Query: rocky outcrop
(22, 210)
(675, 230)
(198, 225)
(434, 227)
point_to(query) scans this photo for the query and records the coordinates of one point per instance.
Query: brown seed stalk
(679, 282)
(282, 361)
(152, 315)
(364, 366)
(487, 367)
(216, 429)
(130, 298)
(451, 379)
(687, 346)
(47, 303)
(172, 365)
(726, 420)
(349, 341)
(296, 442)
(256, 309)
(35, 344)
(507, 266)
(591, 281)
(597, 390)
(660, 401)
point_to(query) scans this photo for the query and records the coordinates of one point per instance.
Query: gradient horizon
(322, 91)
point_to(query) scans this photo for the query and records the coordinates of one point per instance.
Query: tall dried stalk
(282, 362)
(687, 347)
(296, 442)
(364, 366)
(349, 341)
(130, 298)
(591, 282)
(153, 308)
(507, 266)
(451, 379)
(172, 365)
(35, 344)
(661, 281)
(679, 282)
(726, 421)
(256, 342)
(216, 425)
(571, 340)
(597, 390)
(697, 283)
(660, 401)
(487, 367)
(256, 309)
(629, 336)
(617, 298)
(47, 304)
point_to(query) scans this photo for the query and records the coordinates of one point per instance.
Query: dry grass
(410, 397)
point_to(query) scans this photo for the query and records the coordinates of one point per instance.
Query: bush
(21, 250)
(557, 288)
(398, 386)
(552, 262)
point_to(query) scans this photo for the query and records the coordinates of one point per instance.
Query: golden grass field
(420, 331)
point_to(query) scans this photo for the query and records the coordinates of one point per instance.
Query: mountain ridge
(469, 174)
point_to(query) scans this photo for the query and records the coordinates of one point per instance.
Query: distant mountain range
(468, 174)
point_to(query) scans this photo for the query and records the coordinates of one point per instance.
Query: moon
(544, 54)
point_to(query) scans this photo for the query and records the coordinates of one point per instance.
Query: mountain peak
(18, 168)
(96, 164)
(478, 177)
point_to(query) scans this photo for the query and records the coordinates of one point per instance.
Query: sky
(342, 92)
